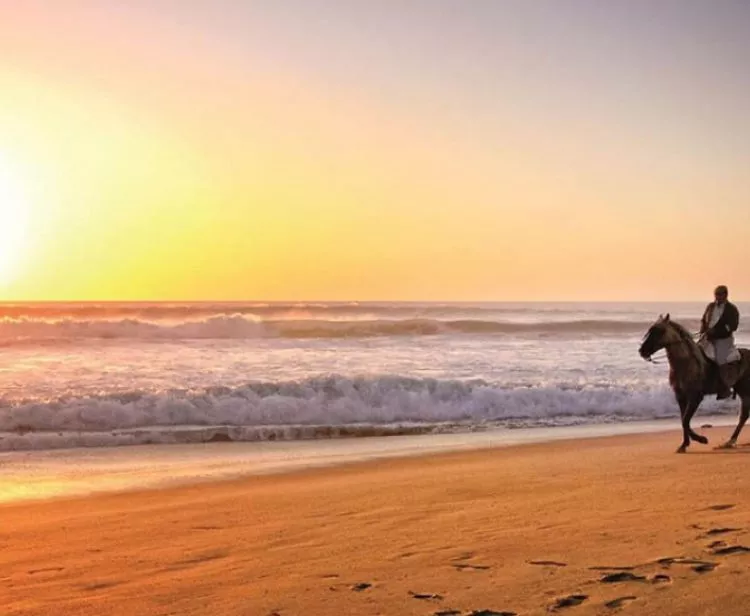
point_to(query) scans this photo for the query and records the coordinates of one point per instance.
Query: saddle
(739, 365)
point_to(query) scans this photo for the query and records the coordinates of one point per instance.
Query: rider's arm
(733, 319)
(727, 324)
(704, 320)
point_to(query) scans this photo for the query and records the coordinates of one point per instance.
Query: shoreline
(61, 473)
(518, 529)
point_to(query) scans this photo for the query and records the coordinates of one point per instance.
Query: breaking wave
(325, 407)
(242, 326)
(312, 310)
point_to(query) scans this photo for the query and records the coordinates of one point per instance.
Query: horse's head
(659, 336)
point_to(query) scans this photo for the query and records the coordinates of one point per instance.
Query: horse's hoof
(727, 445)
(681, 449)
(701, 439)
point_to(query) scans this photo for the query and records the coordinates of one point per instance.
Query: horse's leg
(690, 407)
(744, 414)
(682, 402)
(694, 435)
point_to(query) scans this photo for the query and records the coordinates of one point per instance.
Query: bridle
(665, 346)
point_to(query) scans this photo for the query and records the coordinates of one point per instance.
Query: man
(720, 321)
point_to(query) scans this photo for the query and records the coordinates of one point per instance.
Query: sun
(14, 218)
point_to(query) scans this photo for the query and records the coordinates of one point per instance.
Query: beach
(374, 308)
(567, 527)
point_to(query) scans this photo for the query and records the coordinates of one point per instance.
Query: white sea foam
(317, 408)
(91, 374)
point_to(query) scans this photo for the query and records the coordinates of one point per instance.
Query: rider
(719, 322)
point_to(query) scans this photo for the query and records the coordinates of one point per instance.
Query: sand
(517, 529)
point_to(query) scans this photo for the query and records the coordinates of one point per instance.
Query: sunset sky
(374, 149)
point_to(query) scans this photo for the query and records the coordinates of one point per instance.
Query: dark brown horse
(693, 376)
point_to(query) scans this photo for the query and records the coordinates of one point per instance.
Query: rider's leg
(728, 375)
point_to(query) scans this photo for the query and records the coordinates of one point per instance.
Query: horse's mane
(681, 330)
(687, 338)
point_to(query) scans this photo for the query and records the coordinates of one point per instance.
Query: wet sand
(597, 526)
(26, 475)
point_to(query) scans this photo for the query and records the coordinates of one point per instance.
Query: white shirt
(716, 314)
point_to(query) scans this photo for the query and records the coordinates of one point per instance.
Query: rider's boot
(728, 374)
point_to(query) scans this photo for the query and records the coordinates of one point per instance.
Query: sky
(374, 149)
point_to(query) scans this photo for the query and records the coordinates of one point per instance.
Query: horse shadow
(738, 450)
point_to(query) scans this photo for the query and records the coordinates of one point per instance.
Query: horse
(693, 376)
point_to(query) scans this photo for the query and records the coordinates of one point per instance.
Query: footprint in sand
(679, 560)
(699, 566)
(547, 563)
(468, 567)
(619, 602)
(732, 549)
(361, 586)
(661, 578)
(716, 544)
(569, 601)
(99, 586)
(622, 576)
(464, 566)
(425, 596)
(721, 531)
(720, 507)
(200, 558)
(491, 613)
(448, 613)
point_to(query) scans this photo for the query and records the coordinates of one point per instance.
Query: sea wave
(299, 310)
(324, 407)
(19, 330)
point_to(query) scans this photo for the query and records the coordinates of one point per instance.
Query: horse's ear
(666, 317)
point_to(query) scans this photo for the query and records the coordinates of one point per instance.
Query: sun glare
(14, 215)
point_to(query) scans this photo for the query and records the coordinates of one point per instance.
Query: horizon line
(355, 301)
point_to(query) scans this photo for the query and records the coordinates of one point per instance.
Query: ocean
(110, 374)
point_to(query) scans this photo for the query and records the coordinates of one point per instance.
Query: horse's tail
(743, 374)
